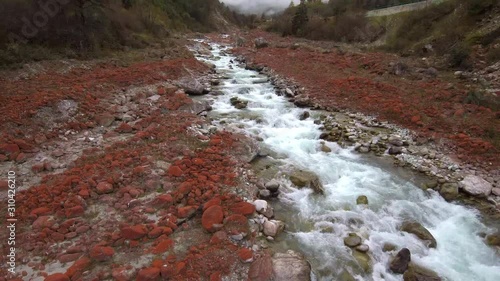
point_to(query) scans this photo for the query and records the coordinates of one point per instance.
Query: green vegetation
(36, 30)
(451, 27)
(339, 20)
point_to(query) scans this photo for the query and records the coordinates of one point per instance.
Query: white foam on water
(460, 255)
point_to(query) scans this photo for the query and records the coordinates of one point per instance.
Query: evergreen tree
(300, 18)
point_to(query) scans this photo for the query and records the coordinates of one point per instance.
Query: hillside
(40, 30)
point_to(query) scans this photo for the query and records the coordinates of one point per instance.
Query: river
(317, 224)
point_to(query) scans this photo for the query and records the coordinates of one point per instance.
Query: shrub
(478, 7)
(459, 55)
(493, 55)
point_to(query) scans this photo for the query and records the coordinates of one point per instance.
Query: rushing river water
(461, 253)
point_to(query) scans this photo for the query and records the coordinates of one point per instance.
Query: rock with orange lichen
(148, 274)
(261, 269)
(101, 253)
(242, 208)
(212, 218)
(134, 232)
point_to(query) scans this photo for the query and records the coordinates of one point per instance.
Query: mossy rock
(362, 200)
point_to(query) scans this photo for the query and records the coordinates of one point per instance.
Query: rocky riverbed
(173, 169)
(363, 135)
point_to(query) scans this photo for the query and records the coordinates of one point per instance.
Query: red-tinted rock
(211, 218)
(57, 277)
(69, 257)
(184, 212)
(261, 269)
(124, 128)
(21, 158)
(218, 237)
(41, 211)
(24, 145)
(43, 222)
(148, 274)
(9, 148)
(101, 253)
(212, 202)
(163, 200)
(82, 229)
(174, 171)
(78, 267)
(104, 187)
(216, 276)
(105, 119)
(236, 224)
(74, 211)
(157, 231)
(245, 255)
(163, 246)
(57, 237)
(243, 208)
(134, 232)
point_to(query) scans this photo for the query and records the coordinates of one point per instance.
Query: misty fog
(259, 6)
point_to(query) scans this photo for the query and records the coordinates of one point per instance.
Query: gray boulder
(261, 43)
(476, 186)
(291, 266)
(192, 87)
(352, 240)
(196, 107)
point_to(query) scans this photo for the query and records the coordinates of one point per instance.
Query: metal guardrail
(402, 8)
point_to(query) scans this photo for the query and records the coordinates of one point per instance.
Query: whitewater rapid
(461, 253)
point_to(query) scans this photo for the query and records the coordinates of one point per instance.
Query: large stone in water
(362, 200)
(272, 185)
(346, 276)
(420, 231)
(418, 273)
(400, 263)
(493, 239)
(302, 178)
(273, 228)
(449, 191)
(291, 266)
(364, 260)
(352, 240)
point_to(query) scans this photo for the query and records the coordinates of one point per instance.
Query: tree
(300, 18)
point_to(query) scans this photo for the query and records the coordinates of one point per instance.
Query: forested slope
(33, 30)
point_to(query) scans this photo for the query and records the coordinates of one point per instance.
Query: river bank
(354, 199)
(440, 146)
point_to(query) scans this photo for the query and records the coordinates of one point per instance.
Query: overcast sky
(259, 6)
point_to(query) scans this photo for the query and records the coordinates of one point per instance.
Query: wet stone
(352, 240)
